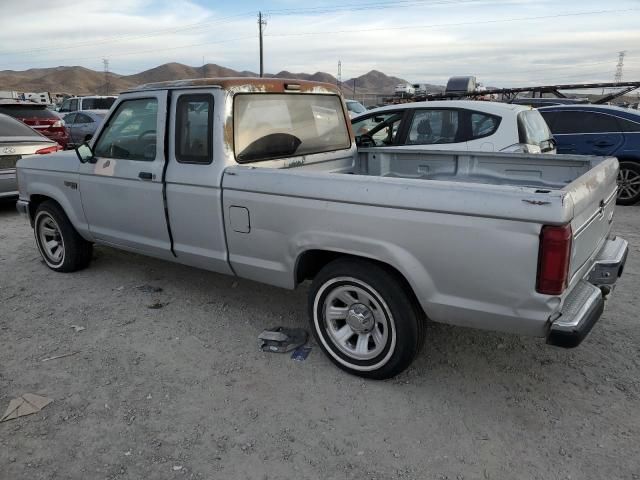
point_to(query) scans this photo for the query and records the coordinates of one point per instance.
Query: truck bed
(535, 171)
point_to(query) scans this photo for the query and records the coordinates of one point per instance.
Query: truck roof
(244, 83)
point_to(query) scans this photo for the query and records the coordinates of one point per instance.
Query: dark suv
(601, 130)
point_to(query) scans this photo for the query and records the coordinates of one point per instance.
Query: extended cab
(260, 178)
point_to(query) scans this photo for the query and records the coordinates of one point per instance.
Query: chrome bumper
(23, 207)
(584, 305)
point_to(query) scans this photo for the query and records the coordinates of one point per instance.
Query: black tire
(628, 194)
(376, 301)
(72, 252)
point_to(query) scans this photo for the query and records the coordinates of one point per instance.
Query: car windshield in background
(14, 128)
(534, 130)
(268, 126)
(97, 103)
(356, 107)
(27, 111)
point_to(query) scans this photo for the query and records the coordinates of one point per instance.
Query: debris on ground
(60, 356)
(156, 305)
(145, 288)
(282, 339)
(25, 405)
(77, 328)
(300, 354)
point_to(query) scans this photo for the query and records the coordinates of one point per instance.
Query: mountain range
(83, 81)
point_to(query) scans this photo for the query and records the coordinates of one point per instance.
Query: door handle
(145, 176)
(603, 144)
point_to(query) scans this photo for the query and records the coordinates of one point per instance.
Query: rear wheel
(61, 246)
(365, 319)
(628, 183)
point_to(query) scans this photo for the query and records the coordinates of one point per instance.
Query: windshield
(534, 130)
(355, 107)
(97, 103)
(268, 126)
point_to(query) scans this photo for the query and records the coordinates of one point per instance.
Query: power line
(440, 25)
(125, 38)
(135, 52)
(228, 19)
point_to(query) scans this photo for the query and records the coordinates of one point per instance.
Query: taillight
(553, 259)
(58, 124)
(51, 149)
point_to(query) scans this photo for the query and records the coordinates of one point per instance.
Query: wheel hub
(360, 318)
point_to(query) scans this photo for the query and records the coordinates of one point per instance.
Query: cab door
(194, 171)
(122, 186)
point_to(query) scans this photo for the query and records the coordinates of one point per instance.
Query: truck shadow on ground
(449, 352)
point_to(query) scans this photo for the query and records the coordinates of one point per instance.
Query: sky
(503, 43)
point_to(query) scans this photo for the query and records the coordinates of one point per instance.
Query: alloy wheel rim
(628, 184)
(50, 240)
(356, 322)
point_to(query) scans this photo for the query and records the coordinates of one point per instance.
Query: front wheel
(61, 246)
(628, 183)
(365, 319)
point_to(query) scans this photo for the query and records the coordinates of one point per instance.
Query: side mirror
(84, 152)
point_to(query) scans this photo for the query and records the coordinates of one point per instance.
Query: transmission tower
(339, 79)
(618, 76)
(105, 63)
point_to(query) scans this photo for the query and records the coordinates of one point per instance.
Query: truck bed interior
(539, 171)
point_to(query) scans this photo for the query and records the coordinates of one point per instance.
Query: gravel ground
(182, 392)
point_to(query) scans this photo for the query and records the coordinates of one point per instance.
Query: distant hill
(83, 81)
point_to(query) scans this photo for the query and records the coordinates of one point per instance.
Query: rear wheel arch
(311, 262)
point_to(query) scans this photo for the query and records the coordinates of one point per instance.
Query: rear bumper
(584, 305)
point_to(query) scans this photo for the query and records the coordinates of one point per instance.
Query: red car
(38, 117)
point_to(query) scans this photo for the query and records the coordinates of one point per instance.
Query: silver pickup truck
(261, 179)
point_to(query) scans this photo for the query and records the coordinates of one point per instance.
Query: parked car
(260, 178)
(37, 116)
(354, 108)
(601, 130)
(93, 102)
(16, 141)
(455, 125)
(82, 125)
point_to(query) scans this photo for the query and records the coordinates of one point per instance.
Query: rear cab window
(194, 129)
(533, 130)
(278, 125)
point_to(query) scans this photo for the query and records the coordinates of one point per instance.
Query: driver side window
(381, 128)
(131, 132)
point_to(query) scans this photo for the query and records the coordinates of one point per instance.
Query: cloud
(425, 41)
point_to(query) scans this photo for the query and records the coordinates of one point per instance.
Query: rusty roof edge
(231, 82)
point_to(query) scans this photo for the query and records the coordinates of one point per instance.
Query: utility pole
(618, 76)
(261, 23)
(105, 63)
(203, 66)
(339, 79)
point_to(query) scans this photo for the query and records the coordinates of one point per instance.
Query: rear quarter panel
(465, 269)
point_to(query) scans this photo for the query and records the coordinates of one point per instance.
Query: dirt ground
(182, 392)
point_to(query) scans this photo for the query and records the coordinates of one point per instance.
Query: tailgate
(594, 199)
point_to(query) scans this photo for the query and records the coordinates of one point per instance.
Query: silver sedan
(16, 141)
